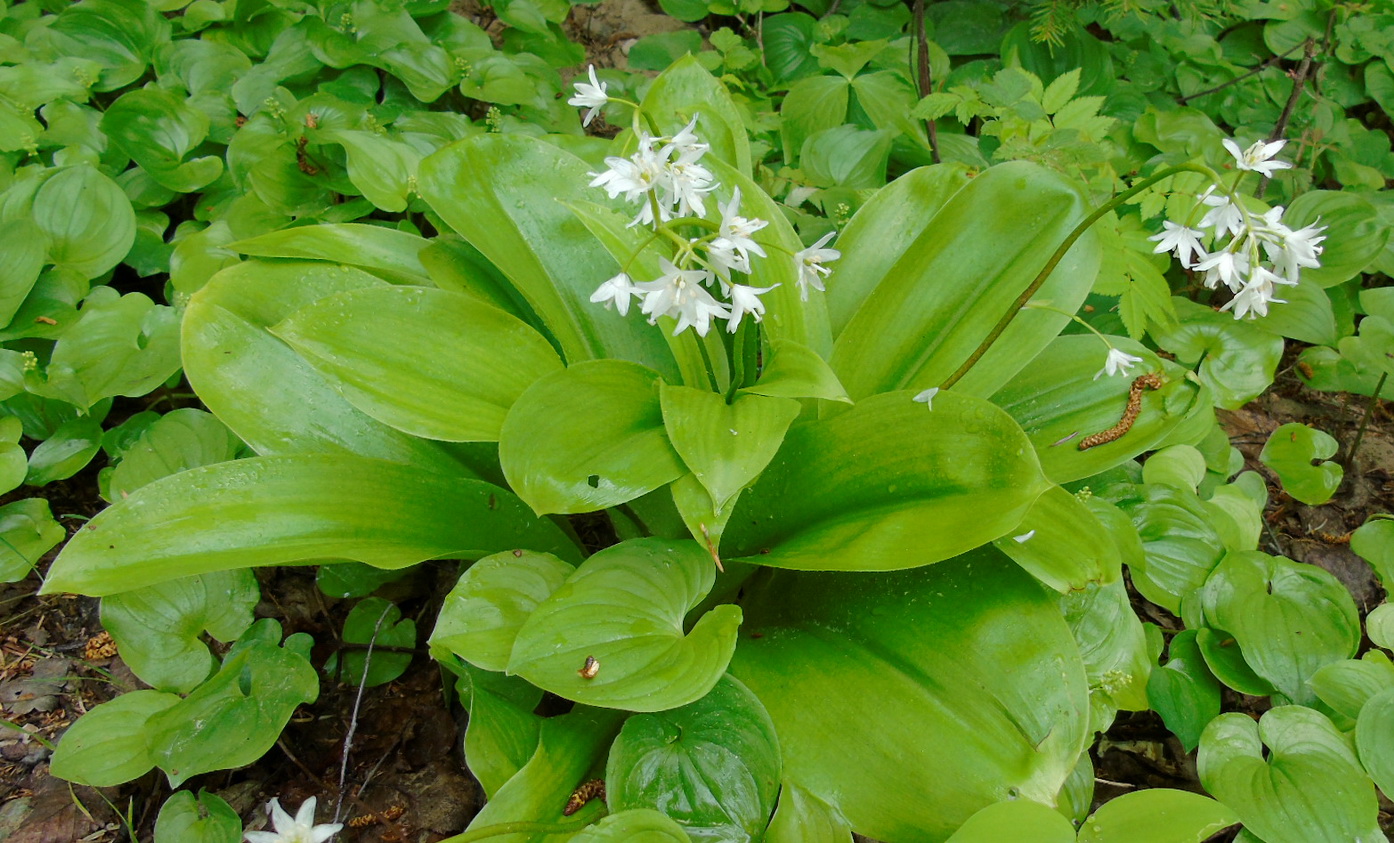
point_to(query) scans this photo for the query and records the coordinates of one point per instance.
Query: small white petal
(927, 397)
(1024, 537)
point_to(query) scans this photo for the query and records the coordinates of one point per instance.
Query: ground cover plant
(834, 441)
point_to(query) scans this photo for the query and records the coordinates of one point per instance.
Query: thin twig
(353, 717)
(1369, 411)
(1240, 78)
(1299, 81)
(923, 80)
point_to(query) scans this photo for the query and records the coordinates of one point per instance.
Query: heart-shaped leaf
(1296, 451)
(379, 623)
(1184, 691)
(1237, 359)
(1180, 544)
(638, 825)
(205, 819)
(108, 746)
(482, 614)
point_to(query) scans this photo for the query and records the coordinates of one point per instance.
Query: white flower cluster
(666, 177)
(1248, 253)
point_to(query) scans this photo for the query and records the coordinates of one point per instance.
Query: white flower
(746, 300)
(617, 290)
(685, 183)
(1224, 215)
(810, 263)
(1256, 295)
(722, 257)
(633, 177)
(679, 293)
(590, 96)
(736, 231)
(1298, 249)
(686, 145)
(1257, 156)
(299, 830)
(927, 397)
(1185, 242)
(1117, 363)
(1232, 268)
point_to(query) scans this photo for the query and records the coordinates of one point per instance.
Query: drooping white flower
(746, 300)
(1299, 249)
(738, 231)
(590, 96)
(1118, 362)
(679, 293)
(301, 829)
(686, 144)
(1256, 295)
(685, 184)
(722, 257)
(1257, 156)
(1183, 241)
(1223, 215)
(1228, 267)
(631, 177)
(927, 397)
(617, 291)
(810, 263)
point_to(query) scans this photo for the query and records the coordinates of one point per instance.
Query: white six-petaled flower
(746, 300)
(1117, 363)
(1257, 157)
(617, 291)
(810, 263)
(590, 96)
(301, 829)
(1182, 241)
(679, 293)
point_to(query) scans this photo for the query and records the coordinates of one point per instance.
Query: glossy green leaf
(390, 254)
(1179, 466)
(1237, 359)
(1379, 626)
(1058, 543)
(1298, 454)
(261, 389)
(970, 651)
(159, 628)
(71, 447)
(23, 246)
(118, 36)
(1226, 661)
(1374, 739)
(802, 817)
(812, 105)
(235, 717)
(1113, 646)
(283, 510)
(482, 614)
(1158, 815)
(27, 532)
(501, 192)
(1289, 619)
(686, 90)
(793, 370)
(726, 446)
(108, 745)
(206, 818)
(382, 167)
(1058, 401)
(1355, 235)
(1180, 545)
(712, 765)
(888, 484)
(181, 439)
(374, 622)
(1305, 314)
(959, 276)
(846, 156)
(353, 579)
(87, 218)
(608, 447)
(1307, 787)
(638, 825)
(1346, 686)
(1017, 819)
(158, 130)
(502, 731)
(432, 363)
(1183, 690)
(624, 607)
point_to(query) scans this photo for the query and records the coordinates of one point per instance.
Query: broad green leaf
(502, 731)
(846, 156)
(638, 825)
(235, 717)
(586, 438)
(109, 745)
(159, 628)
(1058, 401)
(482, 614)
(569, 748)
(376, 622)
(382, 167)
(624, 607)
(1289, 619)
(793, 370)
(27, 532)
(206, 818)
(686, 90)
(787, 39)
(1158, 815)
(1113, 646)
(1180, 545)
(87, 218)
(1179, 466)
(1379, 626)
(1183, 691)
(1019, 819)
(1058, 543)
(501, 192)
(960, 275)
(1355, 235)
(1346, 686)
(713, 764)
(158, 130)
(71, 447)
(661, 49)
(1298, 454)
(182, 439)
(802, 817)
(1308, 787)
(390, 254)
(121, 345)
(888, 484)
(432, 363)
(1305, 314)
(1374, 739)
(1237, 359)
(812, 105)
(118, 36)
(726, 446)
(261, 389)
(23, 246)
(970, 651)
(1226, 661)
(283, 510)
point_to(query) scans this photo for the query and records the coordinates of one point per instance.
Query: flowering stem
(1025, 297)
(1073, 316)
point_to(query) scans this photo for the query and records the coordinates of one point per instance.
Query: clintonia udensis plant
(817, 540)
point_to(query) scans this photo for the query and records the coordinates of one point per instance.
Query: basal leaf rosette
(612, 635)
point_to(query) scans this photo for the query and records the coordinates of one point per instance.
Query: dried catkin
(593, 789)
(1148, 381)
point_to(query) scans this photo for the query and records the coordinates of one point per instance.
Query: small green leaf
(639, 825)
(1379, 626)
(1180, 543)
(374, 622)
(1179, 466)
(482, 614)
(658, 51)
(1184, 691)
(353, 579)
(1294, 451)
(624, 607)
(1346, 686)
(109, 745)
(157, 130)
(713, 764)
(1019, 819)
(804, 818)
(1374, 739)
(87, 218)
(502, 731)
(1159, 815)
(27, 532)
(181, 439)
(1373, 541)
(206, 818)
(794, 370)
(71, 447)
(1112, 644)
